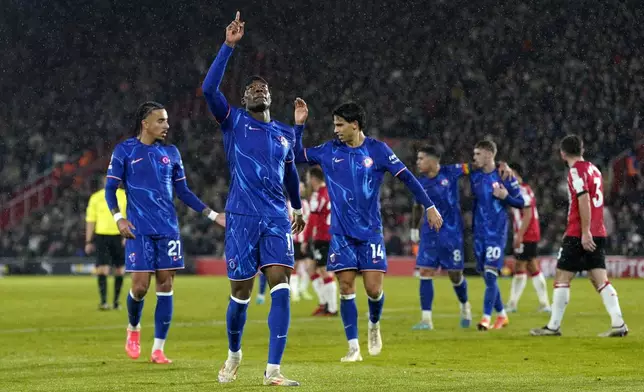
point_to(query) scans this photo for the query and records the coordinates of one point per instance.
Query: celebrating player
(354, 166)
(259, 234)
(584, 242)
(318, 227)
(490, 224)
(150, 170)
(445, 248)
(527, 234)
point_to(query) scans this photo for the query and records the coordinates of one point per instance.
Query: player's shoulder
(127, 144)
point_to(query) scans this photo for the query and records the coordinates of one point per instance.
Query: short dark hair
(487, 145)
(572, 145)
(250, 81)
(144, 111)
(350, 112)
(317, 173)
(430, 150)
(517, 168)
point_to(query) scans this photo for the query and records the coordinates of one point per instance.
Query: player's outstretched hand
(500, 192)
(301, 111)
(587, 242)
(298, 224)
(434, 218)
(505, 171)
(125, 228)
(235, 31)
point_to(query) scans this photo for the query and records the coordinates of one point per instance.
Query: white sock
(611, 302)
(235, 356)
(131, 328)
(305, 279)
(271, 369)
(560, 299)
(539, 283)
(331, 295)
(261, 296)
(318, 287)
(427, 316)
(518, 284)
(158, 344)
(295, 285)
(354, 345)
(486, 317)
(502, 313)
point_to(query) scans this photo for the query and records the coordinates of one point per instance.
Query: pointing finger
(237, 15)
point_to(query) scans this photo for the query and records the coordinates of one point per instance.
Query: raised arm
(215, 99)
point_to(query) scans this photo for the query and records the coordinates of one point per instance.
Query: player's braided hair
(144, 111)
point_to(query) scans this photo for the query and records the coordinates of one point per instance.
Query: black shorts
(109, 250)
(321, 252)
(298, 252)
(574, 258)
(527, 252)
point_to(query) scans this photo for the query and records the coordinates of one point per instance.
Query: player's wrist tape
(212, 215)
(118, 216)
(297, 212)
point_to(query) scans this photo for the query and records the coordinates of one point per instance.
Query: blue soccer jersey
(490, 222)
(443, 248)
(148, 173)
(353, 178)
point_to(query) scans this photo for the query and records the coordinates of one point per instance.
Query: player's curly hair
(142, 112)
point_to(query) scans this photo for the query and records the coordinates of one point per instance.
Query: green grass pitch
(52, 338)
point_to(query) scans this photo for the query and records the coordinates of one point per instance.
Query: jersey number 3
(598, 199)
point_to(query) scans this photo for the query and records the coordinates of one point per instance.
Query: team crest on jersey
(165, 160)
(284, 141)
(445, 182)
(332, 258)
(132, 257)
(368, 162)
(232, 264)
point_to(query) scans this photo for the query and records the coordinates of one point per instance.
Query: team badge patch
(368, 162)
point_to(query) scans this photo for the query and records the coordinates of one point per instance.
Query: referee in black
(102, 236)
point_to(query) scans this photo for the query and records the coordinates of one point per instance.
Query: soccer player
(102, 235)
(490, 225)
(442, 249)
(354, 166)
(150, 170)
(584, 242)
(527, 234)
(299, 275)
(259, 234)
(318, 227)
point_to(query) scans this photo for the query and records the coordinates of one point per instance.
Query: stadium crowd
(521, 74)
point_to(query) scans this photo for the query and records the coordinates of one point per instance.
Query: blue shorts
(348, 253)
(434, 253)
(489, 254)
(150, 253)
(254, 242)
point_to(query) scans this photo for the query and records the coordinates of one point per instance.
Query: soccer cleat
(466, 315)
(320, 311)
(423, 326)
(159, 357)
(260, 300)
(306, 296)
(511, 307)
(276, 378)
(615, 332)
(352, 356)
(501, 322)
(228, 372)
(483, 325)
(544, 309)
(133, 344)
(374, 339)
(545, 331)
(117, 306)
(104, 306)
(330, 314)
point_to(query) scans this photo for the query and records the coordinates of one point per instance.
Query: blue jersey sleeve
(514, 198)
(388, 161)
(456, 171)
(181, 185)
(115, 174)
(215, 99)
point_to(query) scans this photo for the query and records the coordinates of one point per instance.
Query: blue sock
(375, 307)
(426, 293)
(349, 313)
(491, 291)
(262, 284)
(279, 319)
(134, 310)
(461, 290)
(235, 320)
(163, 315)
(498, 303)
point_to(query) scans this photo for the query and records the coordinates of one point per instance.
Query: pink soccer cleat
(159, 357)
(133, 344)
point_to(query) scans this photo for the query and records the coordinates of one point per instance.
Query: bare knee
(427, 273)
(140, 289)
(346, 281)
(241, 290)
(521, 267)
(455, 276)
(532, 267)
(120, 271)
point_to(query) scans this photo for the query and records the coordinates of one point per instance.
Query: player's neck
(432, 174)
(147, 139)
(357, 141)
(489, 167)
(571, 161)
(264, 116)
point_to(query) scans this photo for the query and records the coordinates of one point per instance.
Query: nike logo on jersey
(336, 160)
(137, 160)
